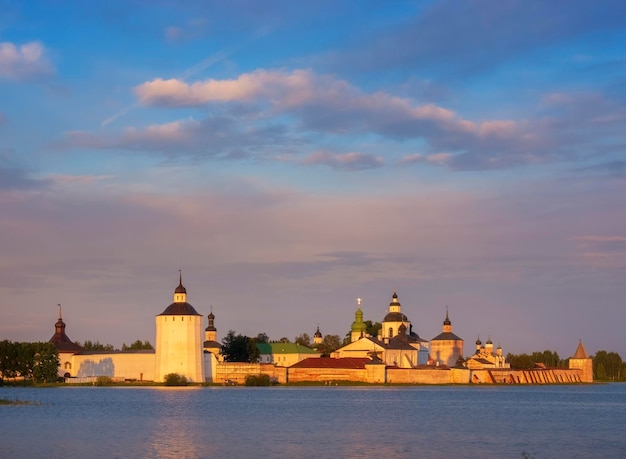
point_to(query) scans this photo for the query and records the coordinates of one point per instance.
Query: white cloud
(25, 61)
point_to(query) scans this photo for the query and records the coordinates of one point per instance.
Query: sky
(291, 157)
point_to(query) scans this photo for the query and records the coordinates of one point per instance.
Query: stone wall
(326, 374)
(237, 372)
(119, 365)
(534, 376)
(419, 376)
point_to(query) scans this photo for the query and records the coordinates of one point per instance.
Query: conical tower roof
(581, 352)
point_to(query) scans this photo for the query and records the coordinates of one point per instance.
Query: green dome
(358, 325)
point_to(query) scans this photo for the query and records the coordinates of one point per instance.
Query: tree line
(94, 346)
(527, 361)
(38, 362)
(241, 348)
(608, 366)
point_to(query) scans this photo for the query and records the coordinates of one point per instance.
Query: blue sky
(290, 157)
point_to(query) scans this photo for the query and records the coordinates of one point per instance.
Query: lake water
(316, 422)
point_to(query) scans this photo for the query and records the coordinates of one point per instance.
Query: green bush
(174, 379)
(103, 381)
(258, 380)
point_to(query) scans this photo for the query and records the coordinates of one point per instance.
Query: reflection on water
(288, 422)
(173, 433)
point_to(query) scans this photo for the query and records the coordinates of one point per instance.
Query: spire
(180, 288)
(447, 325)
(59, 326)
(581, 352)
(180, 293)
(447, 319)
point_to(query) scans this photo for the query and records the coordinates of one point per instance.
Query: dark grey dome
(180, 309)
(395, 317)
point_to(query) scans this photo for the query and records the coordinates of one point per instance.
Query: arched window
(68, 366)
(390, 332)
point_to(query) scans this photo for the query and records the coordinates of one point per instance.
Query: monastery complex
(398, 355)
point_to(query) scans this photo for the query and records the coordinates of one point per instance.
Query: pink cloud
(80, 179)
(600, 238)
(22, 62)
(501, 128)
(440, 159)
(344, 161)
(412, 158)
(288, 90)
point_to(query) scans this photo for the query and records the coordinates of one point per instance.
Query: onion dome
(318, 333)
(478, 341)
(211, 318)
(489, 341)
(358, 325)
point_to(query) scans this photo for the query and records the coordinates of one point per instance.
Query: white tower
(179, 339)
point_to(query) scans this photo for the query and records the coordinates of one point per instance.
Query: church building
(396, 345)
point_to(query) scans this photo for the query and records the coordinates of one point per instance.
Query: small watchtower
(581, 360)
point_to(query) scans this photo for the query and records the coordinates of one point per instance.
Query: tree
(45, 362)
(284, 339)
(372, 328)
(304, 339)
(254, 354)
(96, 346)
(239, 348)
(38, 361)
(174, 379)
(137, 345)
(528, 361)
(608, 366)
(8, 359)
(329, 344)
(332, 341)
(262, 338)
